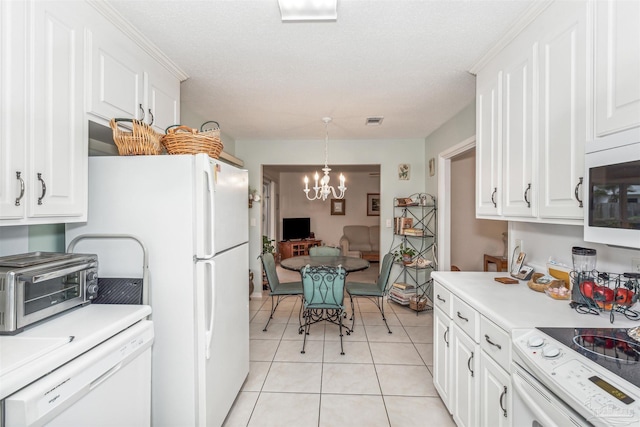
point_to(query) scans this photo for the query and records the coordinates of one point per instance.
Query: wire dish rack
(597, 292)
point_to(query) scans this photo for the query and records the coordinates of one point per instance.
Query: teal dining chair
(375, 292)
(324, 251)
(278, 291)
(323, 298)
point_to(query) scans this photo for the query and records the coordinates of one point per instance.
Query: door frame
(444, 204)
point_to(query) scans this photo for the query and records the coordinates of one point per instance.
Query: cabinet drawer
(466, 317)
(495, 342)
(442, 298)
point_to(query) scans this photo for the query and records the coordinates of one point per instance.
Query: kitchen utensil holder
(624, 288)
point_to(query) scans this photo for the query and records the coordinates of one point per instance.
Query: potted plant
(267, 245)
(404, 254)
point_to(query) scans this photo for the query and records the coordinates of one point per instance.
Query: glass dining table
(350, 264)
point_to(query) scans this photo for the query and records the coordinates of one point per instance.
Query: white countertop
(39, 349)
(516, 306)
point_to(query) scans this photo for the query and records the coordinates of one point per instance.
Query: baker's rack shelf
(415, 226)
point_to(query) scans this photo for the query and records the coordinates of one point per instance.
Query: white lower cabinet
(442, 355)
(495, 393)
(465, 378)
(471, 356)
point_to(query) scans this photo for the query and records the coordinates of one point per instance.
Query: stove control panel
(600, 396)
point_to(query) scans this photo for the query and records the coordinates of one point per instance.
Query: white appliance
(90, 365)
(587, 381)
(192, 214)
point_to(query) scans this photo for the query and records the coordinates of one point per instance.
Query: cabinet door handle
(493, 197)
(141, 109)
(503, 394)
(152, 117)
(441, 299)
(462, 317)
(526, 195)
(469, 363)
(44, 188)
(486, 337)
(446, 338)
(19, 178)
(575, 192)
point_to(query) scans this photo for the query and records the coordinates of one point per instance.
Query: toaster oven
(38, 285)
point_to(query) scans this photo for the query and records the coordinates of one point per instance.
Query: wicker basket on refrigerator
(141, 139)
(185, 140)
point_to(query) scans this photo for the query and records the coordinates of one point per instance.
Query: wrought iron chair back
(376, 292)
(323, 289)
(278, 291)
(324, 251)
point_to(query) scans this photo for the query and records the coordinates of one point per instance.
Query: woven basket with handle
(140, 140)
(185, 140)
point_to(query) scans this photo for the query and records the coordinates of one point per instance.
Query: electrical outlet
(519, 243)
(635, 265)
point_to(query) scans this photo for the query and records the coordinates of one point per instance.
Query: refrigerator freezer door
(226, 298)
(231, 207)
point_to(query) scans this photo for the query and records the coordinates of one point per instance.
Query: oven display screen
(621, 396)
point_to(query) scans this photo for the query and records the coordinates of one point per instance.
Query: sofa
(361, 241)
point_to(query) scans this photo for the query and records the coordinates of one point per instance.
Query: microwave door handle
(57, 273)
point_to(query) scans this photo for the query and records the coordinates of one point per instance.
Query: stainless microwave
(38, 285)
(612, 186)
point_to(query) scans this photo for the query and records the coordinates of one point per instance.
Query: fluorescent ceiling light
(309, 10)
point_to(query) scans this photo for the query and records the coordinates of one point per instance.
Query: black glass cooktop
(610, 348)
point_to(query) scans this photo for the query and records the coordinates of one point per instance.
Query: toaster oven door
(48, 292)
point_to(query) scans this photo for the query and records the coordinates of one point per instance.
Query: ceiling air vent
(374, 121)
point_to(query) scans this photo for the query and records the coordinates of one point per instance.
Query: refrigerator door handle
(212, 303)
(207, 216)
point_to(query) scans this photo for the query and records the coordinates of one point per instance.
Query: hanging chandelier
(322, 188)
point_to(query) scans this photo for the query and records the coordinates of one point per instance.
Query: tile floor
(382, 380)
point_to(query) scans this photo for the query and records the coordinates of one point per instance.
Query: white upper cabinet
(517, 134)
(125, 80)
(564, 86)
(617, 66)
(13, 98)
(488, 144)
(543, 83)
(44, 135)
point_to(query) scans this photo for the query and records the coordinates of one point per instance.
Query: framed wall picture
(404, 170)
(373, 204)
(337, 207)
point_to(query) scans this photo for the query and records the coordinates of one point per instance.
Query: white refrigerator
(191, 212)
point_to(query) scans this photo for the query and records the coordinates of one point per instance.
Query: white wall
(195, 120)
(386, 153)
(327, 227)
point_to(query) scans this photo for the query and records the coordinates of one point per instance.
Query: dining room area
(382, 379)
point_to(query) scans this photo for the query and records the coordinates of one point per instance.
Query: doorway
(463, 238)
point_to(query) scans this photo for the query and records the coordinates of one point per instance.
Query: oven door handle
(520, 384)
(52, 274)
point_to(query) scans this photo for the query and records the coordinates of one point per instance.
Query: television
(296, 228)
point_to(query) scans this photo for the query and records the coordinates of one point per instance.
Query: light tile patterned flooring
(382, 380)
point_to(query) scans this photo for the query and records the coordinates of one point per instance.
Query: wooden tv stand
(291, 248)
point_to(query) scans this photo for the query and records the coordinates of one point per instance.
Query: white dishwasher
(109, 385)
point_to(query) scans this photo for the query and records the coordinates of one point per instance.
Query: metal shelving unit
(415, 227)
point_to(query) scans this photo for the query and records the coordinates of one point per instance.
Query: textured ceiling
(260, 78)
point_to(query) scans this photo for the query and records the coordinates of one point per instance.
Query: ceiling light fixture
(322, 188)
(308, 10)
